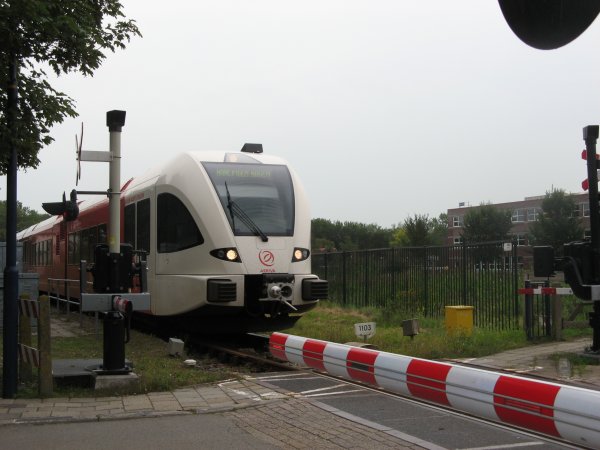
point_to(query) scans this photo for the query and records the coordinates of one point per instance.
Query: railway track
(250, 349)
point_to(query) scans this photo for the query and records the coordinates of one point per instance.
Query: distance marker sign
(364, 330)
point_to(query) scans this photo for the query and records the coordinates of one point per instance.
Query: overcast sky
(384, 108)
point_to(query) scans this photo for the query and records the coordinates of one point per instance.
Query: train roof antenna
(252, 148)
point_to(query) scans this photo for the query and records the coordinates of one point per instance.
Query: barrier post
(528, 312)
(547, 311)
(25, 371)
(557, 321)
(45, 369)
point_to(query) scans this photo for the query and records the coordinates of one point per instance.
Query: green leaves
(68, 36)
(25, 218)
(421, 230)
(486, 223)
(558, 223)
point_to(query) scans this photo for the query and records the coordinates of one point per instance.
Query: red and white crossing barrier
(29, 308)
(30, 355)
(567, 412)
(545, 291)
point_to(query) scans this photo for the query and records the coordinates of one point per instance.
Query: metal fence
(421, 281)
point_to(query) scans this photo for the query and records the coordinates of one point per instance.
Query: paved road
(281, 424)
(426, 426)
(179, 432)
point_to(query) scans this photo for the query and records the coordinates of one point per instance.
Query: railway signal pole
(113, 268)
(580, 261)
(114, 121)
(110, 267)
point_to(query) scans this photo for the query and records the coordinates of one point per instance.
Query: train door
(137, 229)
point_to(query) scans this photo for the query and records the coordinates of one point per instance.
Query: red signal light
(585, 184)
(584, 155)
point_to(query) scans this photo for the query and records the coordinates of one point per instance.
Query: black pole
(11, 272)
(528, 312)
(590, 136)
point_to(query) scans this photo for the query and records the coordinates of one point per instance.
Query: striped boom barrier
(566, 412)
(545, 291)
(29, 308)
(30, 355)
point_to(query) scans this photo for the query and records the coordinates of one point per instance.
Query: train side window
(102, 234)
(88, 243)
(129, 220)
(176, 228)
(74, 248)
(85, 243)
(143, 225)
(93, 240)
(48, 252)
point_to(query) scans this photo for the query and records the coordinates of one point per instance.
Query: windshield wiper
(235, 209)
(230, 206)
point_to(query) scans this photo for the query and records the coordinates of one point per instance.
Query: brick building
(524, 212)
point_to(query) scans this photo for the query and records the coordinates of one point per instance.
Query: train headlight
(226, 254)
(300, 254)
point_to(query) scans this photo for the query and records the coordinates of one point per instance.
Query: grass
(157, 370)
(160, 372)
(336, 324)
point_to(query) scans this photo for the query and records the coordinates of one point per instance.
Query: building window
(532, 214)
(521, 239)
(587, 234)
(518, 215)
(458, 240)
(585, 209)
(457, 221)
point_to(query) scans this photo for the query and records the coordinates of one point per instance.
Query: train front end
(267, 214)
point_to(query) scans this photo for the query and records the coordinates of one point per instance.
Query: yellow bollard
(459, 319)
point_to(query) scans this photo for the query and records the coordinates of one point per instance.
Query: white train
(227, 237)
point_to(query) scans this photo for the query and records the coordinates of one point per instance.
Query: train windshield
(258, 199)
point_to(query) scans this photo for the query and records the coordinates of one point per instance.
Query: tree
(557, 224)
(486, 223)
(438, 230)
(66, 36)
(416, 230)
(420, 230)
(348, 236)
(25, 218)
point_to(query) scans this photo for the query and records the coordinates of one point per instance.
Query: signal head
(68, 209)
